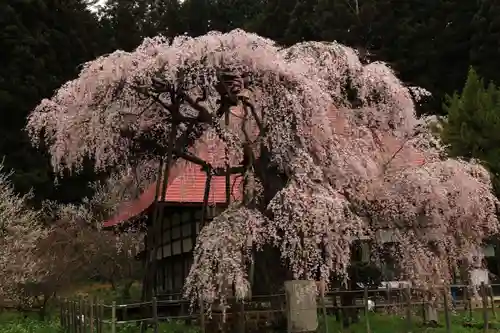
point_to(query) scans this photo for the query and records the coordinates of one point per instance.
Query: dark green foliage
(126, 23)
(164, 17)
(196, 16)
(273, 19)
(301, 24)
(485, 41)
(231, 14)
(42, 44)
(472, 129)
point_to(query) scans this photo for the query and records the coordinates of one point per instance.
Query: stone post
(302, 315)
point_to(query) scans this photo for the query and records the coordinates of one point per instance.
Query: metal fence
(268, 313)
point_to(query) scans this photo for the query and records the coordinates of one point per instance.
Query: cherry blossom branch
(407, 139)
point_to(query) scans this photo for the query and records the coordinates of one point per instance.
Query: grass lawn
(11, 322)
(394, 324)
(14, 322)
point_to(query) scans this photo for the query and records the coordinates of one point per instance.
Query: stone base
(302, 314)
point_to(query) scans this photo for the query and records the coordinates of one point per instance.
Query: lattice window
(177, 235)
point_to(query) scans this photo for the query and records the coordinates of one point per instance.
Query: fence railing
(262, 312)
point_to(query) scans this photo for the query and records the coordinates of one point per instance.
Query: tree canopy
(336, 152)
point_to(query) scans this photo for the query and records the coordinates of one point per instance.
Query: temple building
(182, 213)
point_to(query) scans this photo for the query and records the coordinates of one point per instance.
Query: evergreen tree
(126, 21)
(348, 21)
(472, 128)
(301, 25)
(197, 16)
(273, 19)
(164, 17)
(42, 43)
(231, 14)
(485, 40)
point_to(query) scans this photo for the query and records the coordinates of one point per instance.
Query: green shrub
(11, 322)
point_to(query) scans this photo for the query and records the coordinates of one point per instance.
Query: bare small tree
(77, 249)
(116, 260)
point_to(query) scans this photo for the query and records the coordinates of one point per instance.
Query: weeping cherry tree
(331, 151)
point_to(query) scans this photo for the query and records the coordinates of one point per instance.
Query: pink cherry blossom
(20, 232)
(342, 137)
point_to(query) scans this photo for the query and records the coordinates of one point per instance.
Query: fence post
(492, 297)
(367, 320)
(91, 314)
(68, 317)
(484, 299)
(99, 316)
(75, 316)
(465, 298)
(323, 306)
(341, 309)
(79, 315)
(202, 316)
(83, 316)
(423, 294)
(446, 310)
(113, 317)
(125, 312)
(470, 292)
(241, 315)
(61, 315)
(389, 298)
(155, 315)
(78, 309)
(401, 300)
(408, 308)
(75, 323)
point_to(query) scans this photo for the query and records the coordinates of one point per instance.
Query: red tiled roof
(186, 185)
(189, 187)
